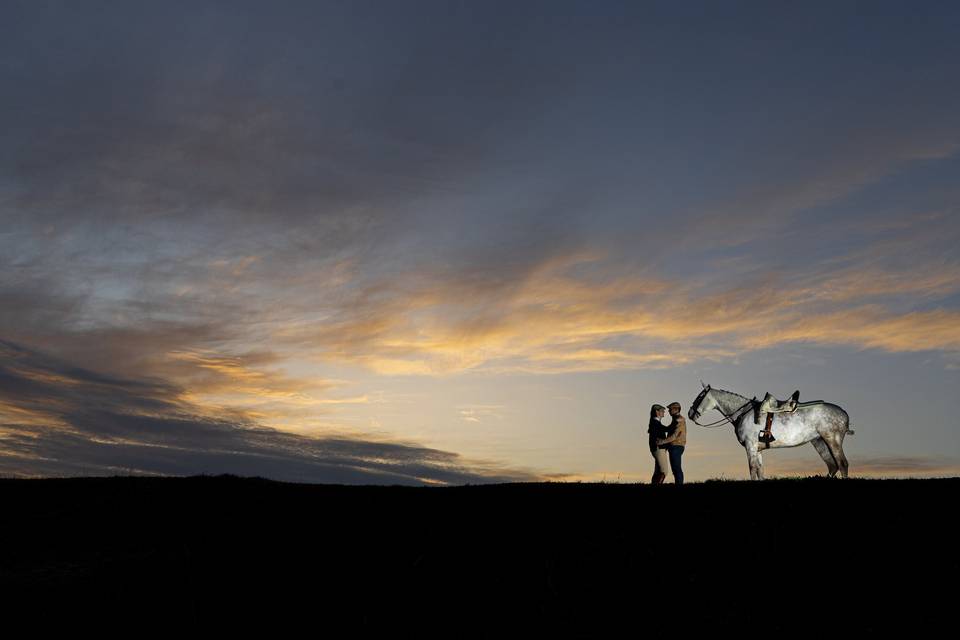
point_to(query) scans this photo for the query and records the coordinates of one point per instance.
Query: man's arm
(681, 427)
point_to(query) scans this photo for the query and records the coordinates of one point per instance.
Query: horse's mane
(730, 392)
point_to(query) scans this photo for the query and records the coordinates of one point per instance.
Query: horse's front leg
(753, 459)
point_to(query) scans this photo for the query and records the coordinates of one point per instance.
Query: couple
(667, 442)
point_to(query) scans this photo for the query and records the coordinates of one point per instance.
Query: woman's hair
(654, 409)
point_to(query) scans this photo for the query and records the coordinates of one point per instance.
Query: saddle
(769, 406)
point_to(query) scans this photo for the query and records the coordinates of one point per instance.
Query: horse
(821, 423)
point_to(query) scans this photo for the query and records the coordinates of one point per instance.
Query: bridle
(722, 421)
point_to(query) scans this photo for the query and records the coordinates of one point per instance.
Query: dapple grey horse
(821, 423)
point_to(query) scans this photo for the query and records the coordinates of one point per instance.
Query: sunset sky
(452, 242)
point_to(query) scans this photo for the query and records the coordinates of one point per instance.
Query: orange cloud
(553, 321)
(870, 327)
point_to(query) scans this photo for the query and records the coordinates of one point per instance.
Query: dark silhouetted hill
(814, 556)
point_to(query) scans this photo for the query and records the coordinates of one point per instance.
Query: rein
(725, 418)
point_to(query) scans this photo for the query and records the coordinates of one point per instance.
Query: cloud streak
(554, 319)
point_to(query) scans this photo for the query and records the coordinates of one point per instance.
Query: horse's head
(704, 402)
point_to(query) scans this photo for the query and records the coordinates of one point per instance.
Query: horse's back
(833, 416)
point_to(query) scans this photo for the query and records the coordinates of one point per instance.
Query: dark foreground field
(545, 559)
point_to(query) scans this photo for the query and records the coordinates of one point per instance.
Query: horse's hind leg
(824, 452)
(835, 443)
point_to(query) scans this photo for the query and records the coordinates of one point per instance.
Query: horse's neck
(728, 401)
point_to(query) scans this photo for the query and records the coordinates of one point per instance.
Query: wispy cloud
(479, 413)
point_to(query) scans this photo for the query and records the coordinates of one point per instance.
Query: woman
(656, 430)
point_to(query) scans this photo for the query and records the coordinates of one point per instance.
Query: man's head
(674, 408)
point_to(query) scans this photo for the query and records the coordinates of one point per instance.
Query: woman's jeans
(676, 452)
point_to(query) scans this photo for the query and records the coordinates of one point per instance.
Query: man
(676, 441)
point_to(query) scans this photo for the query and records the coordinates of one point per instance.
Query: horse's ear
(703, 385)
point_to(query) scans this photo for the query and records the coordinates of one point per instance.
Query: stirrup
(766, 438)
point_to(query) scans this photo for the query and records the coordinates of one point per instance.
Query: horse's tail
(846, 419)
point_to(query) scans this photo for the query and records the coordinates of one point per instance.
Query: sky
(463, 242)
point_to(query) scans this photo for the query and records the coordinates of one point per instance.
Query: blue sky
(458, 241)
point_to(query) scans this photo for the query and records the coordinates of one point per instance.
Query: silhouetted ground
(495, 560)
